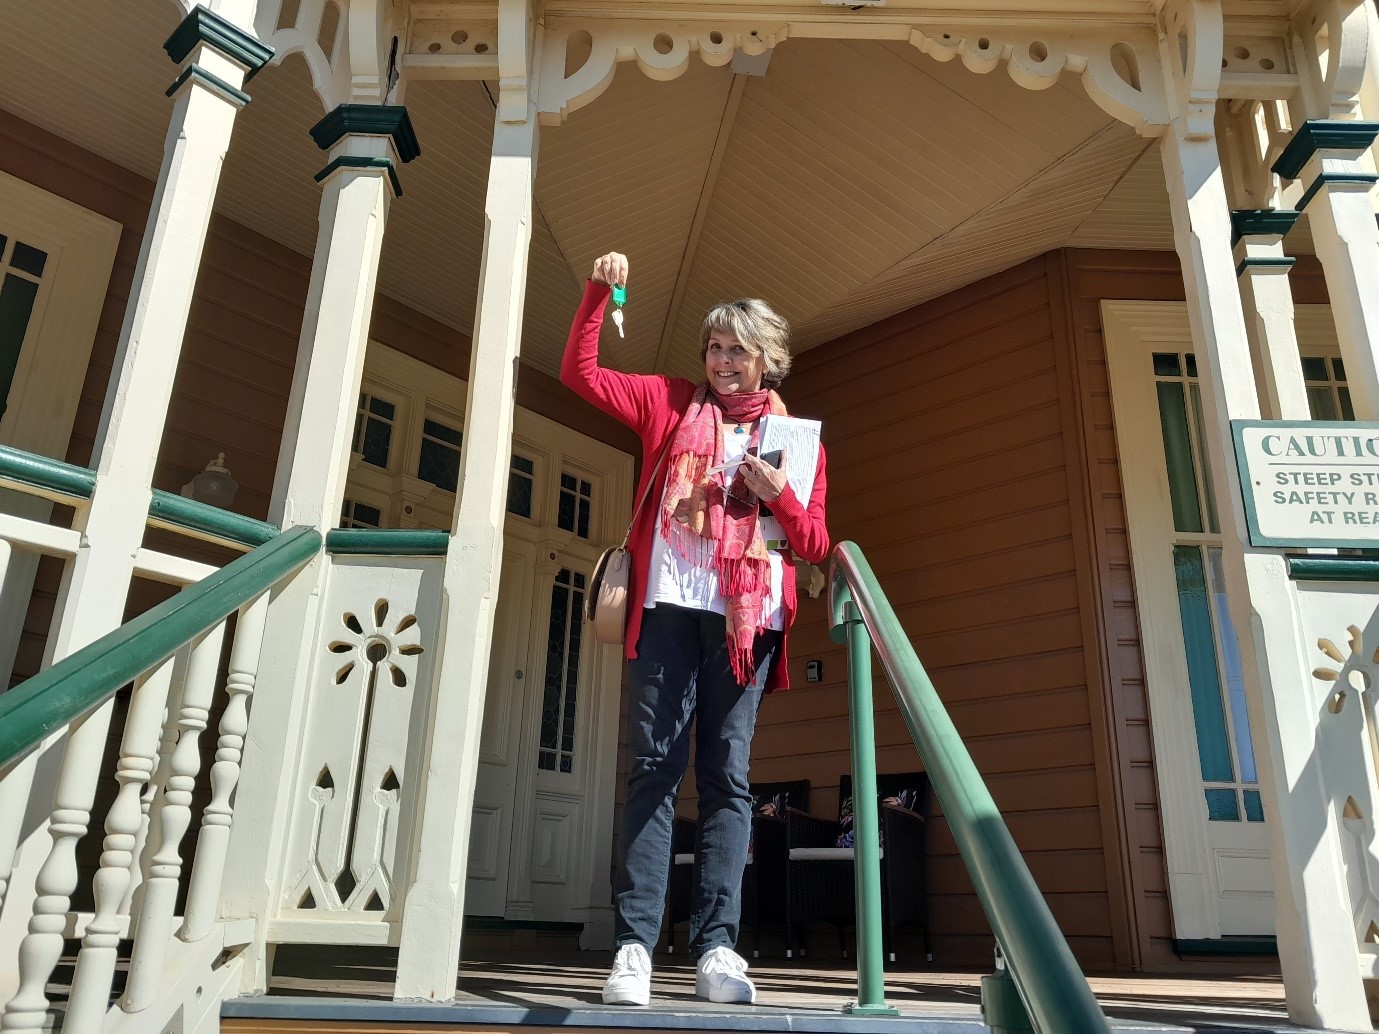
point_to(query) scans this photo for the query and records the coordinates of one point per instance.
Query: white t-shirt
(673, 579)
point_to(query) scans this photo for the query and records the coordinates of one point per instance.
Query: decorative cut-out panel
(367, 707)
(1343, 623)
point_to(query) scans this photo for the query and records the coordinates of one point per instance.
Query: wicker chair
(820, 871)
(763, 880)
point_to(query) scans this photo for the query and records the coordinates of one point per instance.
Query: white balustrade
(155, 919)
(95, 968)
(146, 844)
(209, 868)
(14, 797)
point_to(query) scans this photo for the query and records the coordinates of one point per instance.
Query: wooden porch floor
(350, 989)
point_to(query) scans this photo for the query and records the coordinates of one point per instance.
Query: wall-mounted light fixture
(213, 486)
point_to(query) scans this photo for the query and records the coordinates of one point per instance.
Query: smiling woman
(709, 608)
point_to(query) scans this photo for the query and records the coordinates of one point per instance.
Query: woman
(708, 608)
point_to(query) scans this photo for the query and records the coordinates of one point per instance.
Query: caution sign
(1309, 482)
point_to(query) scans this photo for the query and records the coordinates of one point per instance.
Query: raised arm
(628, 397)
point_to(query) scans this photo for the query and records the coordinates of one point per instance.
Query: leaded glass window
(21, 274)
(576, 504)
(521, 485)
(360, 515)
(1216, 682)
(559, 702)
(439, 459)
(373, 429)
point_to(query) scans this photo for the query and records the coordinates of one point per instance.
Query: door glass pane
(1232, 671)
(1213, 743)
(16, 306)
(1182, 471)
(1206, 487)
(563, 642)
(1222, 806)
(28, 258)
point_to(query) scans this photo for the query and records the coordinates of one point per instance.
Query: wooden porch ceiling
(850, 182)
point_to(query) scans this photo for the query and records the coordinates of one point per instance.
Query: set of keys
(619, 299)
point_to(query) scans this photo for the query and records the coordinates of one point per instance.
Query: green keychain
(619, 300)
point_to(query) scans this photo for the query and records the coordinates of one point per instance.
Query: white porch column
(364, 141)
(1267, 295)
(1317, 947)
(217, 57)
(360, 180)
(428, 956)
(1325, 154)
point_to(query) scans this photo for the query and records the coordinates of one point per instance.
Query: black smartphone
(773, 457)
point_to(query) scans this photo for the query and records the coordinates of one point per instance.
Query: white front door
(1215, 826)
(55, 262)
(500, 752)
(543, 807)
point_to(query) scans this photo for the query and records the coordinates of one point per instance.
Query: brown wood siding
(1092, 276)
(238, 354)
(946, 431)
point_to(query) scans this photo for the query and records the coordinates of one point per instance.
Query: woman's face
(728, 365)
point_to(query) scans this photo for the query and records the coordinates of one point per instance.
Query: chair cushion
(823, 854)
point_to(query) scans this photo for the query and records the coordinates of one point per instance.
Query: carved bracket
(1331, 47)
(577, 64)
(517, 39)
(1121, 75)
(1192, 41)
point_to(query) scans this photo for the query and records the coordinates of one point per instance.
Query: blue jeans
(681, 676)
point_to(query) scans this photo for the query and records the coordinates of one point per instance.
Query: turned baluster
(15, 785)
(146, 844)
(213, 841)
(57, 877)
(172, 817)
(95, 969)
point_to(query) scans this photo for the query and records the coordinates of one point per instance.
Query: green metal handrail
(1048, 979)
(67, 483)
(79, 683)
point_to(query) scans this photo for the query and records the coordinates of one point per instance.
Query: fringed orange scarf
(713, 524)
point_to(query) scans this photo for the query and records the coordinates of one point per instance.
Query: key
(619, 299)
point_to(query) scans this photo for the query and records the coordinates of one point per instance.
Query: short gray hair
(762, 331)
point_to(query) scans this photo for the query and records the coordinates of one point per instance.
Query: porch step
(316, 989)
(280, 1014)
(283, 1014)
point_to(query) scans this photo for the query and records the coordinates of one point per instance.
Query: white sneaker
(630, 981)
(722, 978)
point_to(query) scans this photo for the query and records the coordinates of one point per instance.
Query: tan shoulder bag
(605, 606)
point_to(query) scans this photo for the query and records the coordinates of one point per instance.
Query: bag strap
(646, 492)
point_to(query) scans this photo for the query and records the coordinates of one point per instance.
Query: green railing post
(866, 839)
(1050, 987)
(1003, 1010)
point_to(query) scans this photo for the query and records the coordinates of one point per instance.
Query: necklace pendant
(739, 429)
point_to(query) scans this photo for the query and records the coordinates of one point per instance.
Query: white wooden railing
(172, 656)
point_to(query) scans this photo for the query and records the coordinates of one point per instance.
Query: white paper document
(800, 439)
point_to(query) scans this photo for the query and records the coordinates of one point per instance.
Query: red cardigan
(652, 404)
